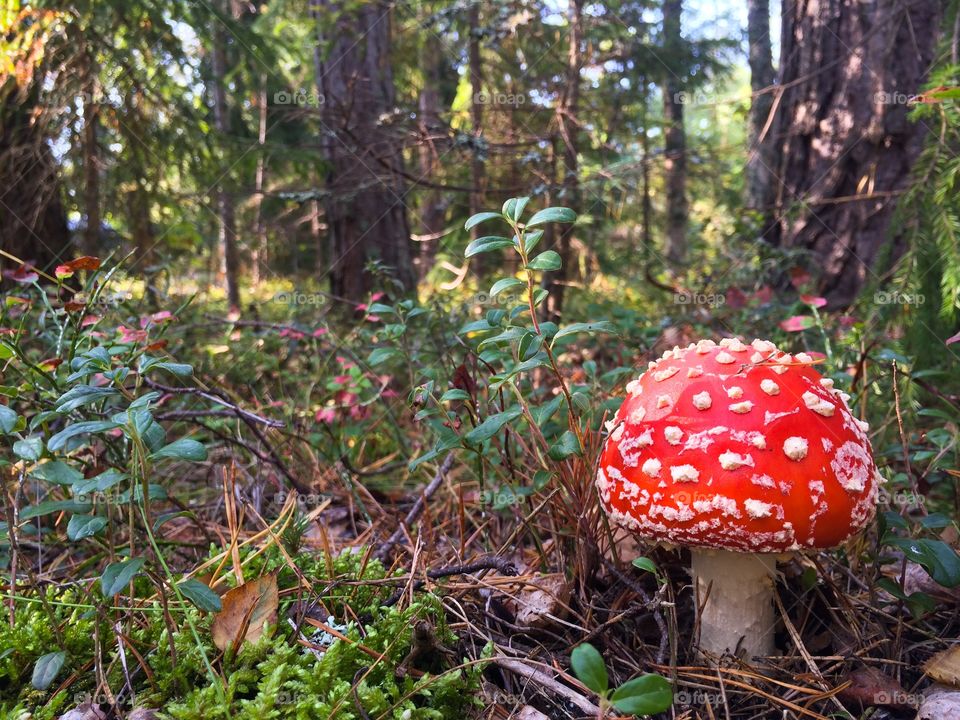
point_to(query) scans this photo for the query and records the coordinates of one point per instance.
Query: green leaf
(8, 420)
(530, 345)
(84, 526)
(455, 394)
(645, 563)
(118, 575)
(603, 326)
(645, 695)
(476, 326)
(935, 521)
(57, 472)
(565, 446)
(491, 426)
(547, 260)
(589, 668)
(100, 483)
(59, 441)
(513, 208)
(935, 556)
(475, 220)
(542, 413)
(6, 352)
(182, 449)
(505, 284)
(381, 355)
(531, 240)
(200, 595)
(509, 335)
(486, 244)
(552, 214)
(381, 309)
(53, 506)
(151, 363)
(30, 449)
(46, 669)
(82, 395)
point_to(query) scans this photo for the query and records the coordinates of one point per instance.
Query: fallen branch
(239, 411)
(505, 567)
(548, 682)
(417, 510)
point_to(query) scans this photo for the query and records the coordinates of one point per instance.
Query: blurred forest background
(710, 149)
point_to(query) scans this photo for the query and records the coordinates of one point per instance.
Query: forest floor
(319, 552)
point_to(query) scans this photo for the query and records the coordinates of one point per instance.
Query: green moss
(273, 678)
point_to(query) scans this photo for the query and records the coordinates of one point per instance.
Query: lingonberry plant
(646, 694)
(514, 344)
(82, 440)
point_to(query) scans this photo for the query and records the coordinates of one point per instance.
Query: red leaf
(156, 319)
(24, 274)
(81, 263)
(130, 335)
(953, 338)
(50, 363)
(813, 300)
(73, 306)
(797, 323)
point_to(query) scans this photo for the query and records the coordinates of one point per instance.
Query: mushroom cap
(738, 447)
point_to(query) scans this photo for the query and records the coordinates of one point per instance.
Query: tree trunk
(258, 255)
(229, 261)
(33, 223)
(433, 209)
(675, 139)
(760, 190)
(568, 127)
(482, 263)
(846, 145)
(366, 216)
(91, 158)
(646, 205)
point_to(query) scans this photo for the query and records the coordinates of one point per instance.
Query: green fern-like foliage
(929, 213)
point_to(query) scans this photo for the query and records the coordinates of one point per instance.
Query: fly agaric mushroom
(739, 452)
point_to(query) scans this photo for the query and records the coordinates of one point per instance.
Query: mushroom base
(738, 611)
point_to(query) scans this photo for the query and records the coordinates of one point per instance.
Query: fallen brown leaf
(872, 687)
(944, 667)
(539, 598)
(245, 611)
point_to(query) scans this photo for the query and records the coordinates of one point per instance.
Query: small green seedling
(644, 695)
(646, 564)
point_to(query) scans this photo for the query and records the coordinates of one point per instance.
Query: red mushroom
(739, 452)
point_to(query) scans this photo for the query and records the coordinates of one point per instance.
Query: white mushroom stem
(734, 594)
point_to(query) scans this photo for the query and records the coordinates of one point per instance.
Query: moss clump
(273, 678)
